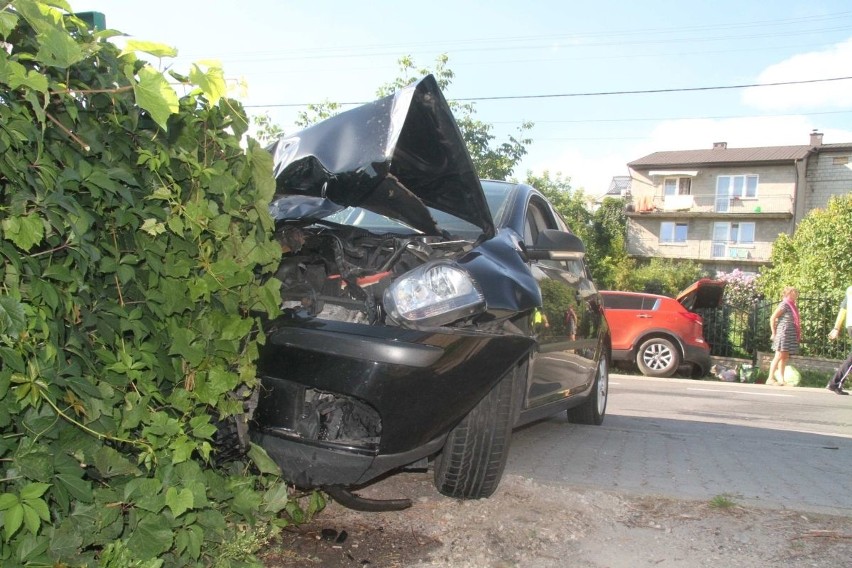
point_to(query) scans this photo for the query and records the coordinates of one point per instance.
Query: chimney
(816, 138)
(720, 145)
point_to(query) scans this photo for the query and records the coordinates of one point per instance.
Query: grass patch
(722, 502)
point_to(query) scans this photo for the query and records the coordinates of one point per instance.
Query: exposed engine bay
(340, 273)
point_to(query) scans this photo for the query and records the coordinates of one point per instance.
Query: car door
(567, 326)
(629, 315)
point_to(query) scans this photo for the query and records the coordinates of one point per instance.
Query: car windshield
(496, 194)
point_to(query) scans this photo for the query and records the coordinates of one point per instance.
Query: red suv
(661, 334)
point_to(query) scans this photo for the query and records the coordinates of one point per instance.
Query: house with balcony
(724, 207)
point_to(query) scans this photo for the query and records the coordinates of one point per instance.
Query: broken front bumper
(343, 403)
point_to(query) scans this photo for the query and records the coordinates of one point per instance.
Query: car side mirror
(553, 244)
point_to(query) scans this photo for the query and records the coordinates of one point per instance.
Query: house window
(734, 233)
(677, 186)
(673, 232)
(737, 186)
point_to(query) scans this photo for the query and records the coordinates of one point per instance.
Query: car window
(376, 223)
(538, 219)
(497, 197)
(630, 302)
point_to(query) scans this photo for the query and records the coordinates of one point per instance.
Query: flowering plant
(740, 288)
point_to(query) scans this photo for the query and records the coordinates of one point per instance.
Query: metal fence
(742, 331)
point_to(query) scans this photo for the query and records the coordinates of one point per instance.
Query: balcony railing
(705, 251)
(710, 203)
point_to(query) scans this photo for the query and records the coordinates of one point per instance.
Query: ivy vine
(135, 245)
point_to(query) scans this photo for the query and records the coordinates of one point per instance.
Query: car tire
(658, 357)
(593, 409)
(474, 455)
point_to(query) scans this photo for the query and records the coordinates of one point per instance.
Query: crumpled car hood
(395, 156)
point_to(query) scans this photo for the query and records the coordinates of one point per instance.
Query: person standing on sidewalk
(786, 334)
(844, 315)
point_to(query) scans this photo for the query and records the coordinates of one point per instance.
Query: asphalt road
(778, 447)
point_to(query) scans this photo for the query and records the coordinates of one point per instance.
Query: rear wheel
(658, 357)
(593, 409)
(471, 464)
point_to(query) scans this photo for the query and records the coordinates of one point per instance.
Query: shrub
(134, 253)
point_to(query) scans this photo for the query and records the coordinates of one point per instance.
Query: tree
(817, 258)
(609, 233)
(134, 245)
(266, 131)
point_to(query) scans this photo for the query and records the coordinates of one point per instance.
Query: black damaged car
(425, 313)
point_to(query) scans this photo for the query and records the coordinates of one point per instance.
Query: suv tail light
(691, 316)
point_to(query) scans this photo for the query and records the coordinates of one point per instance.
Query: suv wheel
(471, 464)
(658, 357)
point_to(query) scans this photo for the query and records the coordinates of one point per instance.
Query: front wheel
(471, 464)
(593, 409)
(658, 357)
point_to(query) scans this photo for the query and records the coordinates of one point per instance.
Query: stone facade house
(724, 207)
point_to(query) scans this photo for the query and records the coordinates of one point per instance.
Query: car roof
(701, 294)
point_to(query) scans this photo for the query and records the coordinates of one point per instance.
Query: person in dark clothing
(844, 315)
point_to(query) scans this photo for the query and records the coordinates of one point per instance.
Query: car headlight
(433, 294)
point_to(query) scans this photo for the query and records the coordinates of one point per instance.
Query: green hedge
(135, 245)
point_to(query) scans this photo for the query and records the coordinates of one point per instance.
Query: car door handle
(643, 316)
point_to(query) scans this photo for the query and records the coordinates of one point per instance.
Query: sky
(604, 82)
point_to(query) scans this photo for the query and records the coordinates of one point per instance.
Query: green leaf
(58, 272)
(79, 489)
(276, 498)
(35, 464)
(25, 231)
(211, 82)
(58, 48)
(8, 500)
(34, 490)
(12, 322)
(246, 501)
(191, 539)
(110, 463)
(66, 540)
(31, 518)
(155, 95)
(13, 518)
(8, 22)
(149, 47)
(182, 449)
(316, 503)
(179, 501)
(16, 75)
(32, 550)
(11, 359)
(262, 460)
(151, 537)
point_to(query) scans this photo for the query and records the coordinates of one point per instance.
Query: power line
(661, 118)
(651, 91)
(577, 39)
(592, 93)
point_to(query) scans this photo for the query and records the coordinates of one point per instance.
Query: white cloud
(699, 134)
(830, 63)
(590, 172)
